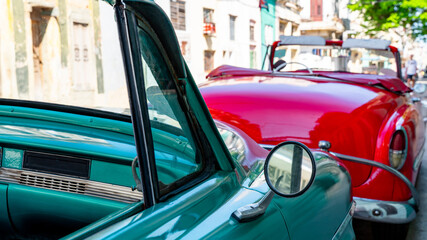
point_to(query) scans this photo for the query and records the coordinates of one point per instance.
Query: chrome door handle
(253, 211)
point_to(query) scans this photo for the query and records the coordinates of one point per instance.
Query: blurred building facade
(324, 18)
(237, 32)
(399, 37)
(41, 36)
(52, 50)
(216, 32)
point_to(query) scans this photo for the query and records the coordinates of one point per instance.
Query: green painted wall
(268, 17)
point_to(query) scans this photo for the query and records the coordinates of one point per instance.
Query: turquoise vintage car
(78, 161)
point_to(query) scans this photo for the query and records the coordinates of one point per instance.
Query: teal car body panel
(204, 212)
(43, 202)
(112, 152)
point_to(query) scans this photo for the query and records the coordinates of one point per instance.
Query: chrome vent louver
(52, 183)
(70, 184)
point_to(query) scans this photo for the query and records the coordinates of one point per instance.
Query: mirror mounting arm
(135, 176)
(386, 168)
(253, 211)
(182, 82)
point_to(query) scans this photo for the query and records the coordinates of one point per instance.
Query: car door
(190, 184)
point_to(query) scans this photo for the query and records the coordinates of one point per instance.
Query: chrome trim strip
(347, 220)
(267, 146)
(418, 159)
(384, 211)
(71, 185)
(386, 168)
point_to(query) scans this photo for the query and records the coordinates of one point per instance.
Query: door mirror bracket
(289, 171)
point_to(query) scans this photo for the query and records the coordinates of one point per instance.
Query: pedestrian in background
(411, 71)
(404, 75)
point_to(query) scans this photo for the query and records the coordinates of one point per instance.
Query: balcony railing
(209, 29)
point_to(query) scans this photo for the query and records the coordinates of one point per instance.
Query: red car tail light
(398, 149)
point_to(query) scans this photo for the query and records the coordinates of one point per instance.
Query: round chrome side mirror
(290, 169)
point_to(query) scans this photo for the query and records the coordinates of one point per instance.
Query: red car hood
(306, 109)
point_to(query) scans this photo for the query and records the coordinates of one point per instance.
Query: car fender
(330, 193)
(406, 118)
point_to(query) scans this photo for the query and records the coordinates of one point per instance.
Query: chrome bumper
(385, 211)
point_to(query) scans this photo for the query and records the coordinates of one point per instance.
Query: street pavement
(418, 228)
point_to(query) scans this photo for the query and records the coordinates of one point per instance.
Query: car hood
(306, 109)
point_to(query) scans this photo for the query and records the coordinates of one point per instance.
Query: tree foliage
(382, 15)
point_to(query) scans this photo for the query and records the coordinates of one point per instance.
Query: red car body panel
(356, 116)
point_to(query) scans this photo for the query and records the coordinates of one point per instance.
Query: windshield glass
(175, 149)
(328, 58)
(72, 59)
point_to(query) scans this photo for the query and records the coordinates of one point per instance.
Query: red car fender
(393, 188)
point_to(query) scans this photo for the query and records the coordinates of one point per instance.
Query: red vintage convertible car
(346, 97)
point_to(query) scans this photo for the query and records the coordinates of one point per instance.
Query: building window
(81, 66)
(208, 15)
(184, 48)
(316, 10)
(287, 28)
(208, 22)
(282, 27)
(252, 30)
(294, 29)
(209, 60)
(232, 27)
(178, 14)
(252, 56)
(268, 35)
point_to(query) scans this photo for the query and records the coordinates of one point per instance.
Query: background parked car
(368, 120)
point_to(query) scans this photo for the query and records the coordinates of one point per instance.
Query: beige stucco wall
(7, 52)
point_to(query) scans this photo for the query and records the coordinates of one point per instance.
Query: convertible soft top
(392, 84)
